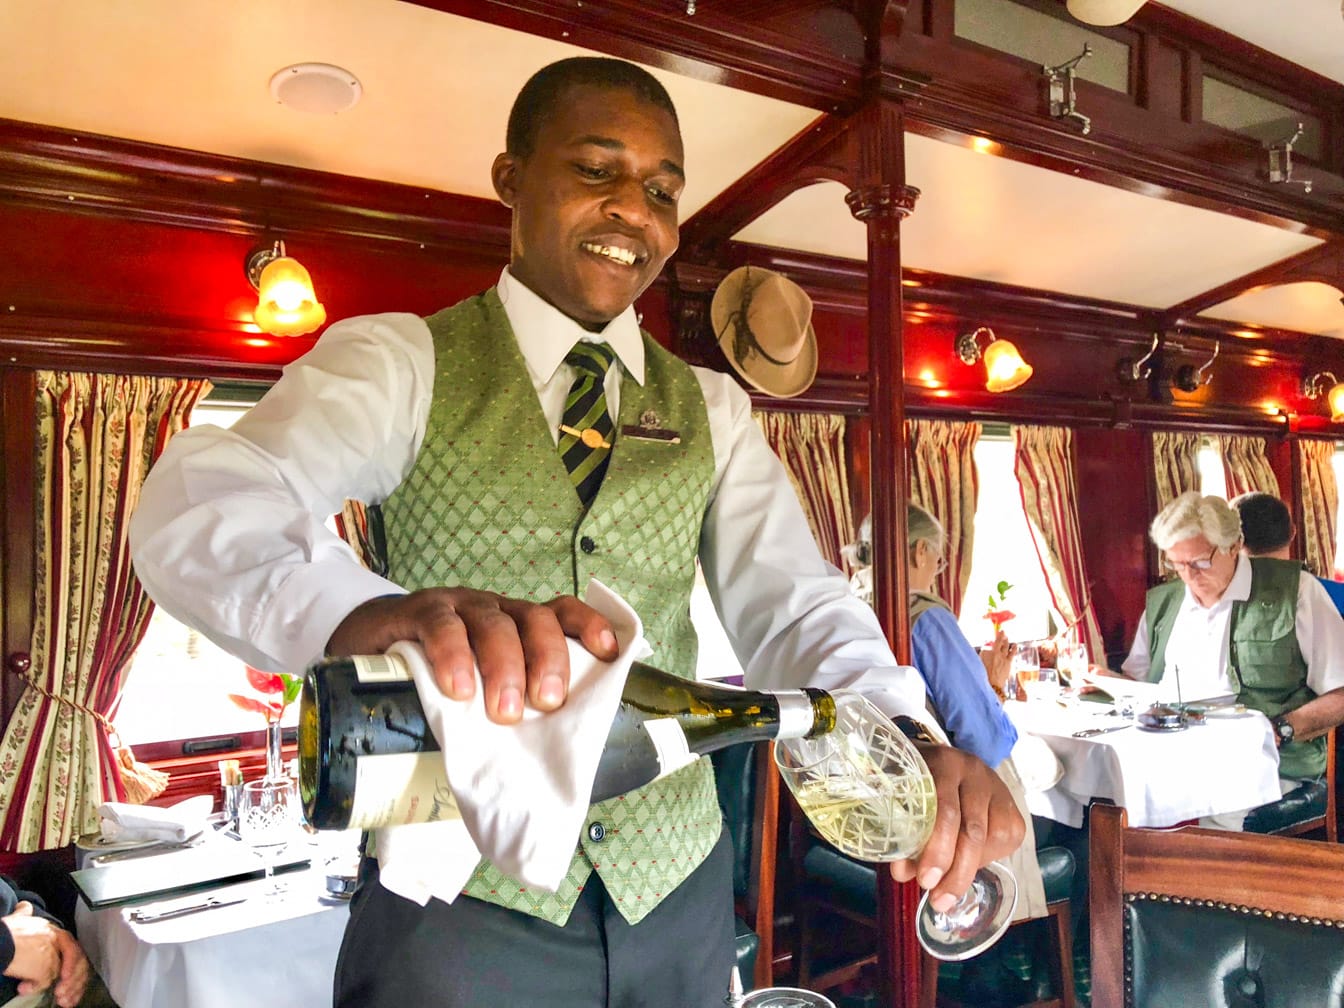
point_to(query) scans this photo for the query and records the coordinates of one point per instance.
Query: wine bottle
(367, 757)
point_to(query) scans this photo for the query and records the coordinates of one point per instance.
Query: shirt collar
(1237, 590)
(545, 334)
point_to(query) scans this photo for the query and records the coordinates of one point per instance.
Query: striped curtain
(1246, 465)
(944, 482)
(1044, 465)
(812, 448)
(1320, 505)
(97, 436)
(1174, 467)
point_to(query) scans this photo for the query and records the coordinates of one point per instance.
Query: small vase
(275, 764)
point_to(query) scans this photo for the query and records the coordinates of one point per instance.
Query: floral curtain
(944, 481)
(97, 436)
(1174, 467)
(1045, 468)
(812, 448)
(1320, 504)
(1246, 465)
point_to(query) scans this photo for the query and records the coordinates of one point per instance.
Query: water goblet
(868, 792)
(268, 823)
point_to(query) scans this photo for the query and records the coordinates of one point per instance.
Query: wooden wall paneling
(18, 424)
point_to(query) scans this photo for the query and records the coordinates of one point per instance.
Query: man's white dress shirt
(1197, 650)
(229, 533)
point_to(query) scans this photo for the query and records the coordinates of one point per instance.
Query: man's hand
(998, 661)
(977, 822)
(519, 646)
(46, 954)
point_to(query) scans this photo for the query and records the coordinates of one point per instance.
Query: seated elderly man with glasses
(1260, 628)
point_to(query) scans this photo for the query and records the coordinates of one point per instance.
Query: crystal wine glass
(268, 823)
(867, 791)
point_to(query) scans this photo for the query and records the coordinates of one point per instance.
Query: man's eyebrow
(612, 144)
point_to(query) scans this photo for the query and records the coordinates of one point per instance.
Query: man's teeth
(612, 252)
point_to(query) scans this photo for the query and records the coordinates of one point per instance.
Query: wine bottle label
(796, 716)
(380, 668)
(399, 789)
(670, 743)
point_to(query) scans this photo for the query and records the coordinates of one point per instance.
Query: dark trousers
(470, 954)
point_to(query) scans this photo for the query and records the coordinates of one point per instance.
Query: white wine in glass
(868, 792)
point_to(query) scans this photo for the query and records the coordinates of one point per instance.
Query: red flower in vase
(996, 614)
(278, 689)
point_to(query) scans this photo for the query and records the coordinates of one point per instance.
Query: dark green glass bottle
(367, 757)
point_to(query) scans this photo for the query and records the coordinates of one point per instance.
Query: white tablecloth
(1160, 779)
(257, 953)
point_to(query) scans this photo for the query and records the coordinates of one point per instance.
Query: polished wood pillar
(881, 199)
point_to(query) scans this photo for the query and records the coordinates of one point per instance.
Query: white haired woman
(1259, 628)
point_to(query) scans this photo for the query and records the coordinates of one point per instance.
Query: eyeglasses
(1193, 566)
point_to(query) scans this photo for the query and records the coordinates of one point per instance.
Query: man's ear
(504, 176)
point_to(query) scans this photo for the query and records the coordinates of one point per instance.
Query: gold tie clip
(589, 436)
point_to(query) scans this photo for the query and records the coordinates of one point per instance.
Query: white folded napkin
(126, 823)
(523, 789)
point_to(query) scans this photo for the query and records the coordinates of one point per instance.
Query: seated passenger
(38, 954)
(1267, 530)
(960, 691)
(1259, 628)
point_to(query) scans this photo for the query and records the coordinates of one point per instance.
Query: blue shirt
(958, 687)
(1335, 589)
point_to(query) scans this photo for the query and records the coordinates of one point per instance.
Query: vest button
(587, 545)
(597, 832)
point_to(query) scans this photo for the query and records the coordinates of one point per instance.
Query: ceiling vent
(316, 88)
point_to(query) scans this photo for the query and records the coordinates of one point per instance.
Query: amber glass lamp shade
(286, 304)
(1004, 367)
(1335, 397)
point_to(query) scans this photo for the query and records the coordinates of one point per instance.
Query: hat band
(744, 340)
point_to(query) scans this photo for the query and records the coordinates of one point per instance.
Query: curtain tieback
(140, 781)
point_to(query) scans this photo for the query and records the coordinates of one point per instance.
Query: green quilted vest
(489, 504)
(1264, 659)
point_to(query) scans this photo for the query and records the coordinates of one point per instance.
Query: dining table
(1225, 762)
(234, 946)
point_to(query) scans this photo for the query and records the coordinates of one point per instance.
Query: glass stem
(275, 766)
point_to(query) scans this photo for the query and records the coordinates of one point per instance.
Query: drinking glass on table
(268, 823)
(1025, 667)
(867, 790)
(1045, 687)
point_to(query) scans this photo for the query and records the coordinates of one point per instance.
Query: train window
(1209, 464)
(176, 661)
(1045, 37)
(1004, 551)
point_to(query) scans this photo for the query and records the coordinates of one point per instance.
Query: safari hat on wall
(763, 321)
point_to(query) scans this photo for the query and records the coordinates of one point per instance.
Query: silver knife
(1089, 732)
(150, 916)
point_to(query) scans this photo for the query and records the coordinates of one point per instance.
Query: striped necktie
(585, 432)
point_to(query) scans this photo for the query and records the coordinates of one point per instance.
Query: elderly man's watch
(1283, 731)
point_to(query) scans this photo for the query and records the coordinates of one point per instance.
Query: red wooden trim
(18, 418)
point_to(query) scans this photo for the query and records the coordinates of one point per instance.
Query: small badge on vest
(650, 428)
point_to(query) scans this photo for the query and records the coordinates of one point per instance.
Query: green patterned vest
(1264, 659)
(489, 504)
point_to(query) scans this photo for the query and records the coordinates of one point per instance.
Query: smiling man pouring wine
(452, 425)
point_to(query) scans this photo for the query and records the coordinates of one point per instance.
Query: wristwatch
(913, 730)
(1283, 731)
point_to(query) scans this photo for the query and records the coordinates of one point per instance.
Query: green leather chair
(1308, 807)
(749, 798)
(1213, 918)
(833, 883)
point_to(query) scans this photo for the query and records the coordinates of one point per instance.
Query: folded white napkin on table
(523, 789)
(125, 823)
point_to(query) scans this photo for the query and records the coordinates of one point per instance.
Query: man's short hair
(545, 89)
(1266, 524)
(1191, 515)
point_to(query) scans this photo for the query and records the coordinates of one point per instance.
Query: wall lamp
(1004, 367)
(286, 303)
(1325, 381)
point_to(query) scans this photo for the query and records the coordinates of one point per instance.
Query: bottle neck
(804, 713)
